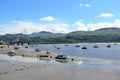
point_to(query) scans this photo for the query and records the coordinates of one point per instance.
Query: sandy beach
(15, 70)
(32, 71)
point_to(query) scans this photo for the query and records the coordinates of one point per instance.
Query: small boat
(58, 48)
(95, 46)
(77, 46)
(37, 50)
(17, 47)
(66, 45)
(62, 58)
(109, 46)
(1, 46)
(45, 57)
(26, 46)
(11, 53)
(115, 44)
(84, 47)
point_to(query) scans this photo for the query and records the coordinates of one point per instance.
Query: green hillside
(100, 35)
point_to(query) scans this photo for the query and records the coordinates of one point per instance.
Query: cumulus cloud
(27, 27)
(106, 15)
(49, 18)
(80, 26)
(85, 5)
(94, 26)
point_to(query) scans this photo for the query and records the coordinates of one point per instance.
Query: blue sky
(58, 16)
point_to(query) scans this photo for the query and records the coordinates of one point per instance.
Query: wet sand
(33, 71)
(13, 70)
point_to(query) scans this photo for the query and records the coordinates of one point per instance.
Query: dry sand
(12, 70)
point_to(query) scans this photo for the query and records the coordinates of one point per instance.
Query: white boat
(11, 53)
(17, 47)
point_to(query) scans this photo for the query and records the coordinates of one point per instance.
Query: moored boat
(45, 57)
(11, 53)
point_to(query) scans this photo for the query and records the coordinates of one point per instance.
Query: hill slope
(100, 35)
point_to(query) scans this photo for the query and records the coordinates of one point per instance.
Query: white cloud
(30, 27)
(80, 26)
(106, 15)
(116, 23)
(49, 18)
(94, 26)
(85, 5)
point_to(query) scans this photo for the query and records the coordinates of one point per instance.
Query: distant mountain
(100, 35)
(14, 37)
(46, 34)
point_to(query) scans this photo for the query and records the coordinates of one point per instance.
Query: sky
(57, 16)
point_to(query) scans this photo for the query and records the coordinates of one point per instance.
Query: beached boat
(45, 57)
(62, 58)
(11, 53)
(17, 47)
(37, 50)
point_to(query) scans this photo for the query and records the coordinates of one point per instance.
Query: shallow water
(101, 52)
(53, 62)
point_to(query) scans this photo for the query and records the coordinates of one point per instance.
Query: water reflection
(58, 62)
(62, 61)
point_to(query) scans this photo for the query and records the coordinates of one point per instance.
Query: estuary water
(104, 52)
(111, 53)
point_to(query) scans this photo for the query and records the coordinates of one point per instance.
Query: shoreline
(31, 53)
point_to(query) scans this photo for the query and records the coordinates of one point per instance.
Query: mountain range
(100, 35)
